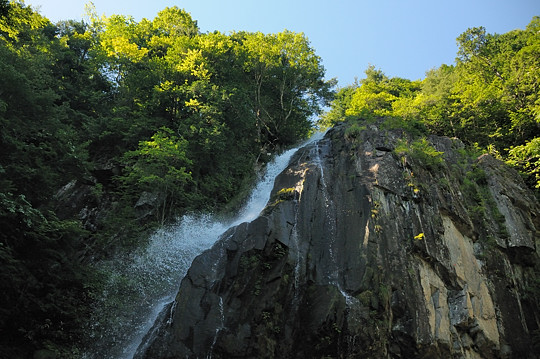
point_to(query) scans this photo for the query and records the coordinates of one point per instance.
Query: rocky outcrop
(364, 252)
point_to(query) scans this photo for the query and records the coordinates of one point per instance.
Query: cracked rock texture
(366, 253)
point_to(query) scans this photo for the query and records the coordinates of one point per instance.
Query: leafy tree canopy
(113, 109)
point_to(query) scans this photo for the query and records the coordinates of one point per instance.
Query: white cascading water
(354, 313)
(142, 285)
(334, 275)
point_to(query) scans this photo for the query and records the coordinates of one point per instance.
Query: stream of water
(333, 275)
(142, 285)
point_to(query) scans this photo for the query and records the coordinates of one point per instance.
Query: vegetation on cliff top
(489, 99)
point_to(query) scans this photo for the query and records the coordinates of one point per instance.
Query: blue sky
(403, 38)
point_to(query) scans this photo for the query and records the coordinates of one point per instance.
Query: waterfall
(219, 328)
(331, 227)
(142, 285)
(354, 312)
(330, 221)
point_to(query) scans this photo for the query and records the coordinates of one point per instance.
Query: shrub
(422, 151)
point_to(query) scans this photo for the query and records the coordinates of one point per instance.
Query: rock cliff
(373, 245)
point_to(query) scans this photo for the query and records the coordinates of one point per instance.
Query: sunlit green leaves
(119, 108)
(420, 150)
(377, 94)
(160, 162)
(288, 84)
(489, 99)
(19, 23)
(527, 158)
(174, 22)
(160, 166)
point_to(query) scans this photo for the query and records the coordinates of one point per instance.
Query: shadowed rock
(362, 253)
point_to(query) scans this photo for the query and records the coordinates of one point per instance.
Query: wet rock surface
(365, 253)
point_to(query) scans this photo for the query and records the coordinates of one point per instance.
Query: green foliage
(377, 94)
(126, 108)
(422, 151)
(286, 193)
(354, 130)
(160, 166)
(286, 68)
(45, 287)
(339, 106)
(527, 158)
(488, 99)
(412, 126)
(366, 298)
(45, 100)
(478, 199)
(4, 8)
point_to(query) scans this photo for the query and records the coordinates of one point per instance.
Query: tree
(527, 158)
(377, 93)
(185, 116)
(160, 166)
(174, 22)
(489, 98)
(4, 8)
(339, 106)
(288, 85)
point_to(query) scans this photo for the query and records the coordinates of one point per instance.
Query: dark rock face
(363, 254)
